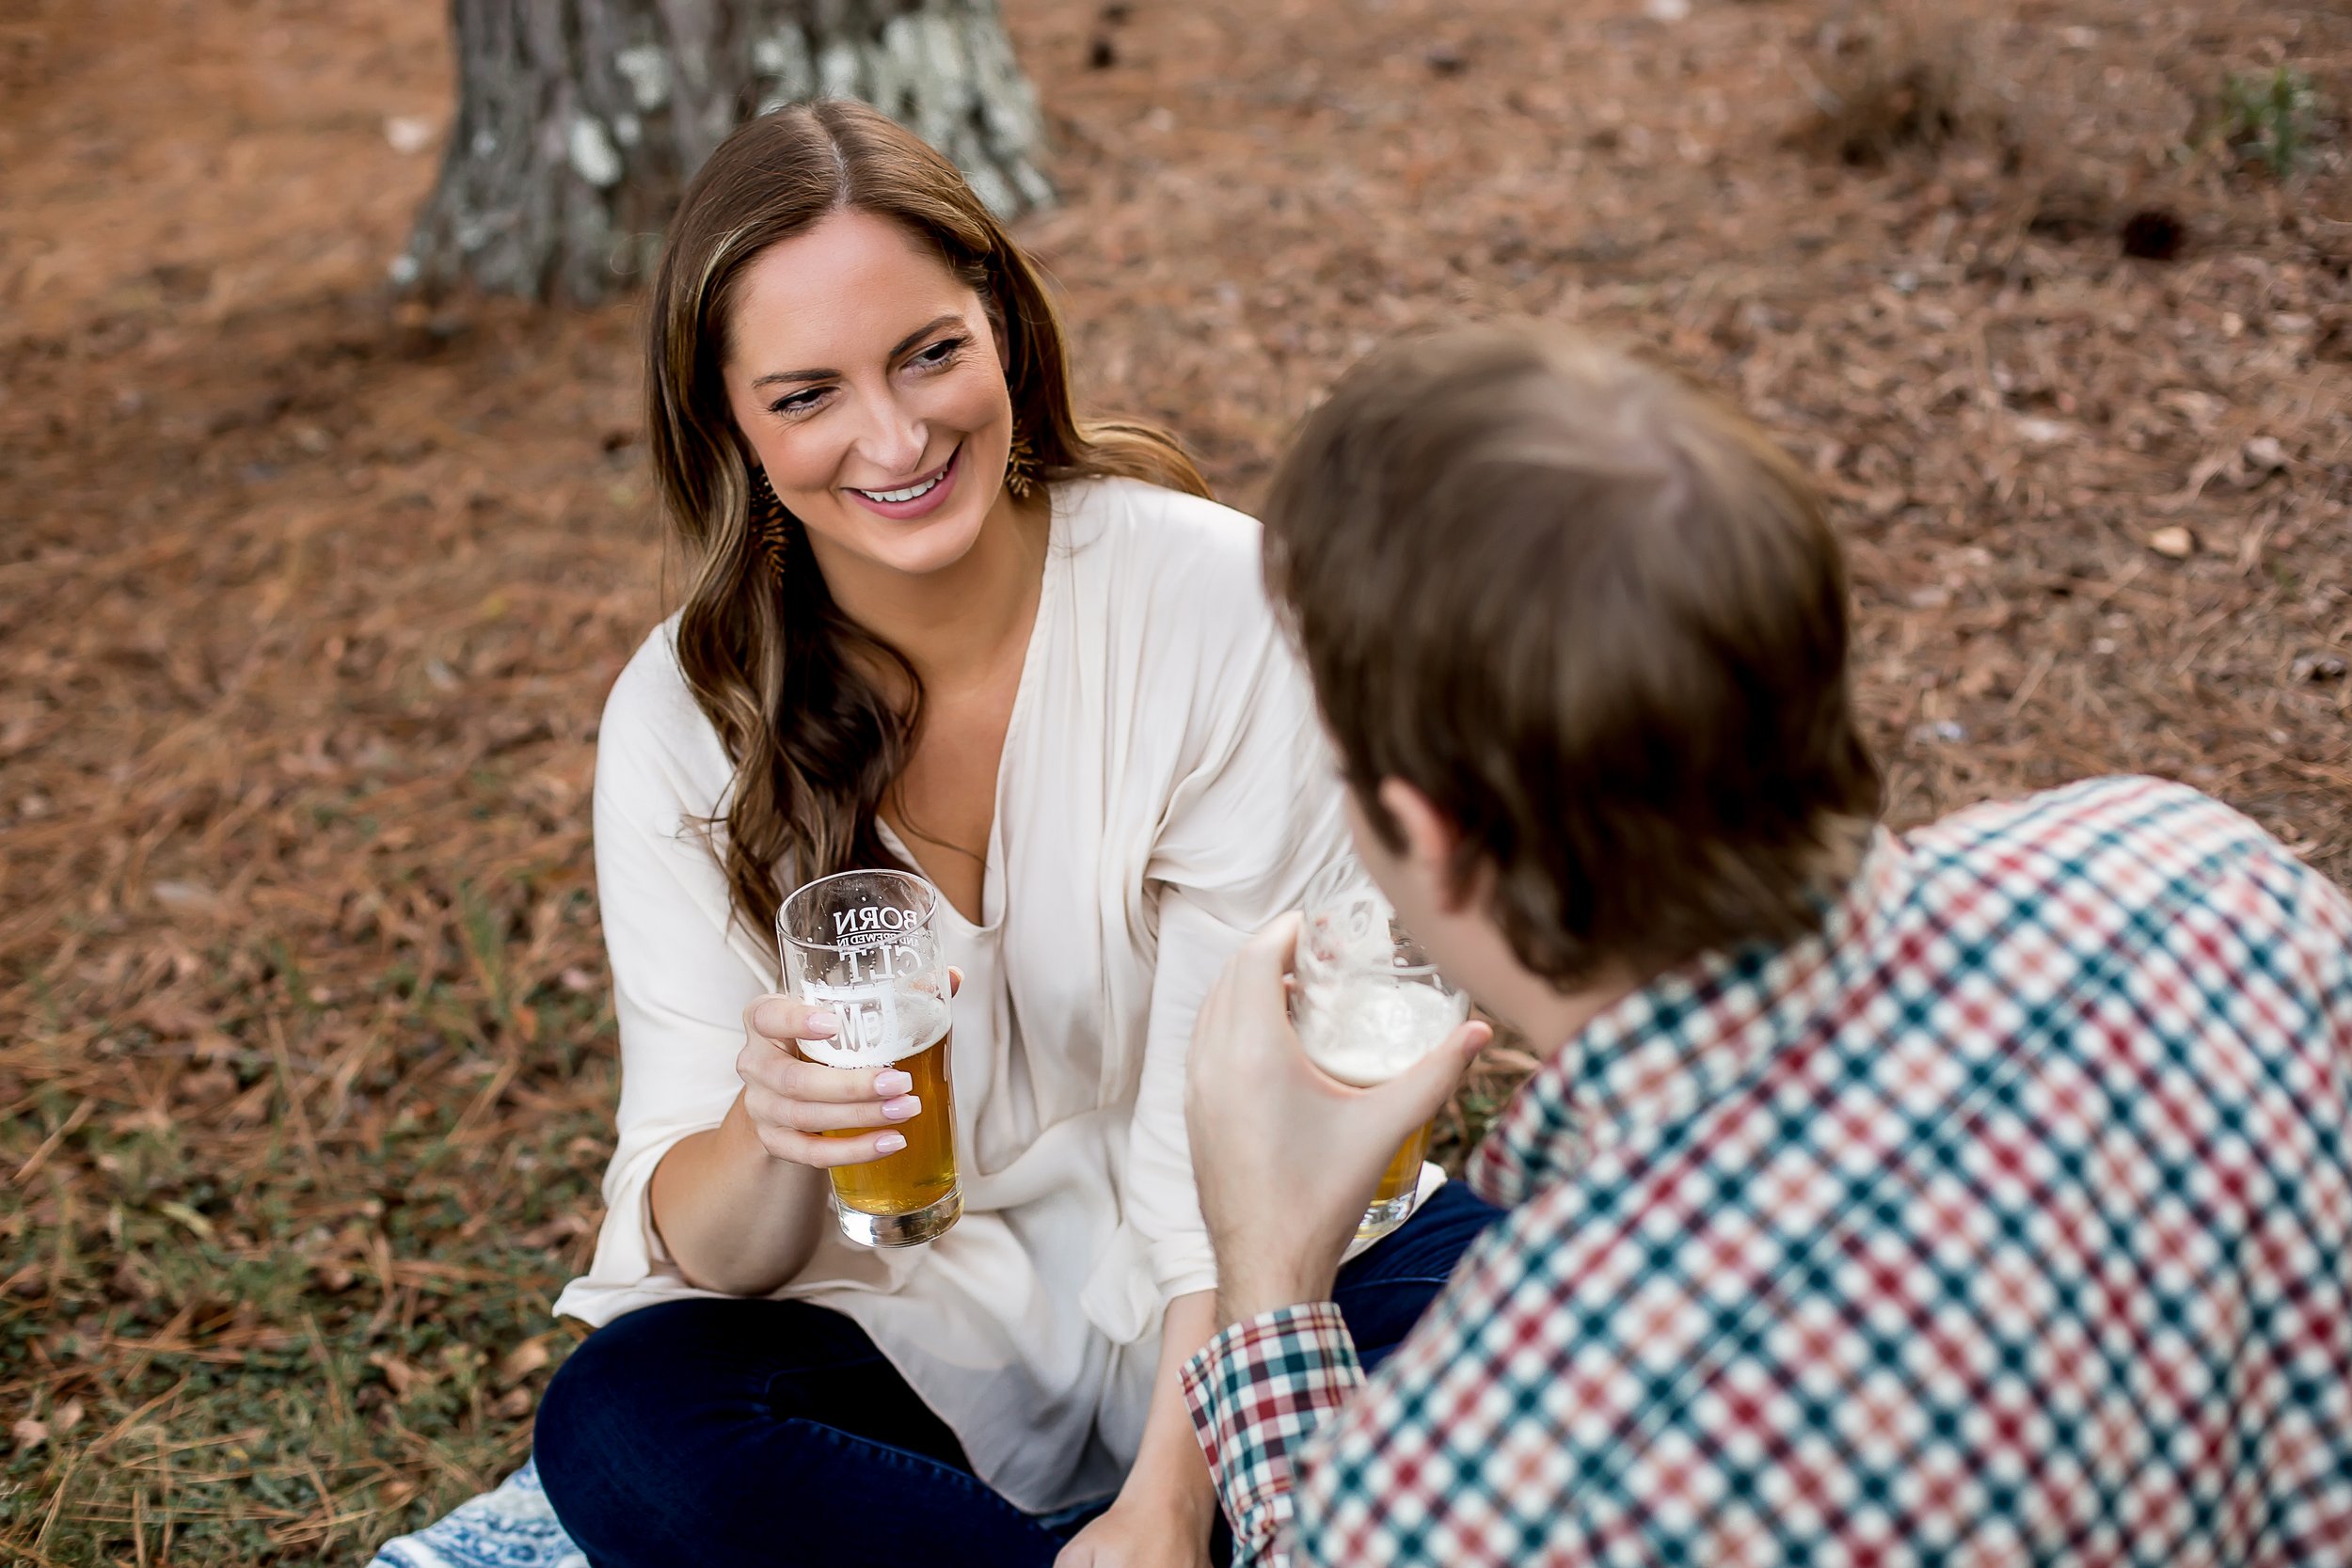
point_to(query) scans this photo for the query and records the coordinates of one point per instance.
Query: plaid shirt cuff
(1257, 1391)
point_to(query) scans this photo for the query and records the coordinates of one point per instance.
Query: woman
(933, 621)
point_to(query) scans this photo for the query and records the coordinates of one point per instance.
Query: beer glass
(1368, 1005)
(864, 945)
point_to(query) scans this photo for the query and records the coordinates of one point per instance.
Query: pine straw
(308, 602)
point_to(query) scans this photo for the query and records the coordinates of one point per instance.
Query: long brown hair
(774, 664)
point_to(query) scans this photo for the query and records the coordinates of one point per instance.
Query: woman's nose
(893, 440)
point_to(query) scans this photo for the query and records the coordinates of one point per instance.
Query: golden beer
(1400, 1186)
(861, 944)
(923, 1173)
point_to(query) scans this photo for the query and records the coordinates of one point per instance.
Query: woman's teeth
(909, 494)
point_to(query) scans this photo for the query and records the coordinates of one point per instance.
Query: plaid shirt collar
(1687, 1036)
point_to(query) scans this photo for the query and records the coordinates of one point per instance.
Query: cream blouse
(1164, 790)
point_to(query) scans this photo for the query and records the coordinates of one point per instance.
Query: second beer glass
(1369, 1005)
(864, 944)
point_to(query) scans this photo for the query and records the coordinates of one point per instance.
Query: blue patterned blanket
(513, 1527)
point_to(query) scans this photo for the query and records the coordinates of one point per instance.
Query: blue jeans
(733, 1433)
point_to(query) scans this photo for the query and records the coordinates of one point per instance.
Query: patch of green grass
(2272, 119)
(232, 1376)
(284, 1290)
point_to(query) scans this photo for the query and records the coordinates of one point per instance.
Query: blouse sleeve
(681, 979)
(1245, 830)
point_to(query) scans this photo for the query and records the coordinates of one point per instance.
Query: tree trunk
(580, 121)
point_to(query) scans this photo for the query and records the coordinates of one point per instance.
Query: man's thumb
(1413, 1097)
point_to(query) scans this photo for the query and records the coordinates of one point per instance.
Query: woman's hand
(1136, 1534)
(1163, 1515)
(791, 1102)
(741, 1206)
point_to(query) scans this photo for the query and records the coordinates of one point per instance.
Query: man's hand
(1286, 1158)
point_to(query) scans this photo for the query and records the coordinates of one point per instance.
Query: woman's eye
(798, 402)
(938, 353)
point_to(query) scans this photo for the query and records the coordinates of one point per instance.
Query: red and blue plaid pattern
(2007, 1220)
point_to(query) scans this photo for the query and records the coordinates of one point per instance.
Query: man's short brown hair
(1599, 619)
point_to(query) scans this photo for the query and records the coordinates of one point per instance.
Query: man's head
(1579, 630)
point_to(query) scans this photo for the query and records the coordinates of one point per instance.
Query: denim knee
(578, 1399)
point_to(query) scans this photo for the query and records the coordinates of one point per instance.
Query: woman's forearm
(734, 1217)
(1168, 1469)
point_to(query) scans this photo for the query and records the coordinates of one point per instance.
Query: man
(1982, 1196)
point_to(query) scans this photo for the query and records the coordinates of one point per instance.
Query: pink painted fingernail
(890, 1143)
(886, 1084)
(819, 1026)
(902, 1107)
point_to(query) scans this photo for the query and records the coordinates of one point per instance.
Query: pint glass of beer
(1368, 1005)
(863, 945)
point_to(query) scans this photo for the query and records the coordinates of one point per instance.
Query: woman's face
(866, 379)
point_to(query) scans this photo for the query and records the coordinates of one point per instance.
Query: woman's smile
(922, 498)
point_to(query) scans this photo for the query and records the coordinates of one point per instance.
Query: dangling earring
(768, 524)
(1021, 465)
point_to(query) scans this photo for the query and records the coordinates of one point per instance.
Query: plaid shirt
(2008, 1221)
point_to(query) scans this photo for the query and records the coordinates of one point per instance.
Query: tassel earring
(1021, 465)
(769, 534)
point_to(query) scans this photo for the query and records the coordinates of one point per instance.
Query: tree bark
(580, 121)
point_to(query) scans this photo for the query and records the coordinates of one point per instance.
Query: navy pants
(733, 1433)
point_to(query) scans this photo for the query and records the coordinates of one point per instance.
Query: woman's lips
(940, 481)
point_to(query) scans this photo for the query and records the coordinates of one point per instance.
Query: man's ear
(1432, 843)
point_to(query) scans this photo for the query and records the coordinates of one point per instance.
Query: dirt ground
(309, 598)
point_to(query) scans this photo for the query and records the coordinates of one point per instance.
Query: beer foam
(1366, 1030)
(880, 1024)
